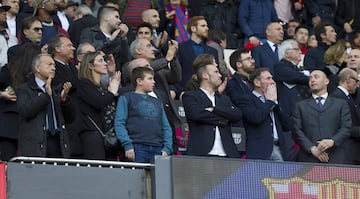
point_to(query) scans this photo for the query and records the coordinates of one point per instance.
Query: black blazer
(264, 56)
(202, 123)
(259, 127)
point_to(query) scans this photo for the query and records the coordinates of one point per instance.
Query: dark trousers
(8, 148)
(53, 146)
(93, 145)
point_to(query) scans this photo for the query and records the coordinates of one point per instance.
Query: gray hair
(83, 9)
(134, 45)
(286, 45)
(36, 60)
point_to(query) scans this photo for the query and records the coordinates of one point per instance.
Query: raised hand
(65, 91)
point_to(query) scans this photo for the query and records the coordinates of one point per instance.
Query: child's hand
(130, 154)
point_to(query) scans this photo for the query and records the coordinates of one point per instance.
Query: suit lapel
(270, 52)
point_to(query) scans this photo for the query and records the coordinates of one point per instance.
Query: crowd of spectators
(291, 82)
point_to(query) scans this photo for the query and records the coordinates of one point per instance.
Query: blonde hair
(84, 71)
(334, 53)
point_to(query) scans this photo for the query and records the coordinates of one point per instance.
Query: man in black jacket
(42, 107)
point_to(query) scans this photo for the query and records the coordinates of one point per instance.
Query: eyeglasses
(246, 59)
(36, 29)
(354, 78)
(296, 49)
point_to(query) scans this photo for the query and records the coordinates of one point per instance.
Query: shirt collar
(323, 96)
(40, 83)
(344, 90)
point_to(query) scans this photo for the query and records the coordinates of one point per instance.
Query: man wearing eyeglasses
(291, 82)
(239, 86)
(348, 85)
(31, 31)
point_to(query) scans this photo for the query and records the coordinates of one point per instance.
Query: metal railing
(81, 162)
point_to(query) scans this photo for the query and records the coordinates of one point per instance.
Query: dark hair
(200, 62)
(139, 73)
(320, 29)
(256, 74)
(216, 35)
(54, 42)
(193, 21)
(20, 66)
(301, 26)
(236, 56)
(26, 24)
(144, 25)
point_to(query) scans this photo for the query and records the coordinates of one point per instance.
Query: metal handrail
(81, 162)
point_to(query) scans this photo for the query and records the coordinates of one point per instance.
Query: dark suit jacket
(237, 89)
(311, 124)
(353, 144)
(55, 17)
(78, 26)
(314, 58)
(264, 56)
(202, 123)
(186, 56)
(287, 72)
(259, 127)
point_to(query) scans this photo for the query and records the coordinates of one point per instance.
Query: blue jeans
(144, 153)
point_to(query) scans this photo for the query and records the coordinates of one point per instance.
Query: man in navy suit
(195, 46)
(210, 114)
(322, 124)
(239, 85)
(348, 87)
(266, 55)
(291, 82)
(263, 119)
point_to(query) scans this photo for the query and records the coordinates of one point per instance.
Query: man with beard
(210, 114)
(195, 46)
(6, 39)
(239, 86)
(44, 9)
(13, 22)
(109, 36)
(60, 17)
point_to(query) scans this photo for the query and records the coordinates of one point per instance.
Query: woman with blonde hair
(93, 97)
(335, 60)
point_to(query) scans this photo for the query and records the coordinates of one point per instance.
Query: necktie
(51, 117)
(276, 51)
(318, 99)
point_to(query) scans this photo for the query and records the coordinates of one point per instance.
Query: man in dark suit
(239, 86)
(62, 50)
(290, 81)
(266, 55)
(61, 17)
(322, 124)
(195, 46)
(348, 87)
(44, 108)
(263, 119)
(210, 114)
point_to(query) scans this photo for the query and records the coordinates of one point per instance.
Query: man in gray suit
(321, 123)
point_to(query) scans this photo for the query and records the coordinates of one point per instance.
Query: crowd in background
(68, 68)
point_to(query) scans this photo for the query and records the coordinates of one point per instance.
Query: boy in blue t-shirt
(140, 121)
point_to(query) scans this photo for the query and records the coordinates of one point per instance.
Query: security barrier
(179, 177)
